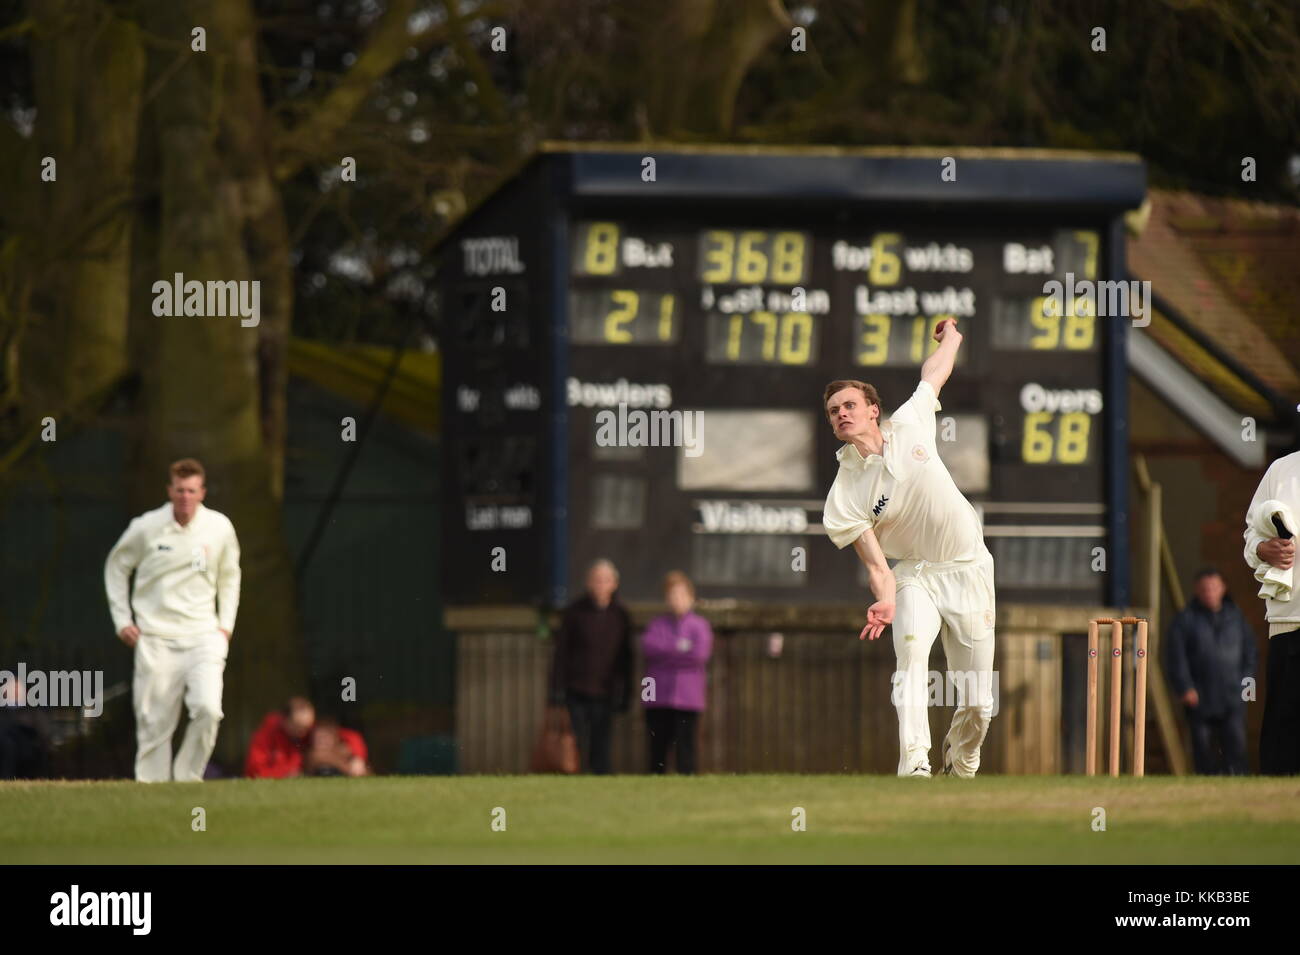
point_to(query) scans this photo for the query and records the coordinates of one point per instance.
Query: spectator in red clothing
(277, 748)
(335, 751)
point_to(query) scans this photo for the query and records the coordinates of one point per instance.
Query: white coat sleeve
(122, 562)
(1253, 538)
(228, 578)
(842, 517)
(918, 411)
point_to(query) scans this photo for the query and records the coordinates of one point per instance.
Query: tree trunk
(247, 136)
(697, 56)
(89, 74)
(202, 396)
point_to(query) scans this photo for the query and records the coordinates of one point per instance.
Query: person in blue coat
(1209, 653)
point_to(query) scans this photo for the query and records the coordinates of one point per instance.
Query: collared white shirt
(186, 578)
(906, 494)
(1281, 483)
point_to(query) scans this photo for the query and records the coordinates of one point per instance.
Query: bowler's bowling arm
(879, 575)
(938, 366)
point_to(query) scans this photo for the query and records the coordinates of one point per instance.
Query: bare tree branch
(387, 45)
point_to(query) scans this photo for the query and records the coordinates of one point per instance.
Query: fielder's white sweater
(186, 578)
(1281, 483)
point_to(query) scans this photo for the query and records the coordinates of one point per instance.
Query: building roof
(1207, 366)
(1226, 276)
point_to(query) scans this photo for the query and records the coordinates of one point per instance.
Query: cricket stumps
(1115, 691)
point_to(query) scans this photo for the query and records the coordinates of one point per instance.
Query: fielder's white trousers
(957, 599)
(167, 670)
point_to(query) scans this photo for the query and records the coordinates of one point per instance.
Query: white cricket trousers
(167, 670)
(955, 598)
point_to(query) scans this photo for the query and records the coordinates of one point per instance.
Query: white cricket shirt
(186, 578)
(905, 495)
(1281, 483)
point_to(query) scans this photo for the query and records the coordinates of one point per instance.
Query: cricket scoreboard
(636, 342)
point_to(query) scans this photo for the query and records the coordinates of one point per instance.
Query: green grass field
(640, 819)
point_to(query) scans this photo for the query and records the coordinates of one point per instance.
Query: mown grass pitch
(641, 819)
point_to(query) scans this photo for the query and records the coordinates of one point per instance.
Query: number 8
(1072, 446)
(602, 248)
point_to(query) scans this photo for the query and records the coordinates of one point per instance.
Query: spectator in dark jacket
(24, 735)
(1210, 650)
(677, 648)
(591, 672)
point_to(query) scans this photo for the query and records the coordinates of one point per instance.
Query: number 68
(1070, 444)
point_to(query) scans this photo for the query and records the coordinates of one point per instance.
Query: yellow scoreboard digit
(622, 316)
(899, 339)
(1051, 438)
(761, 338)
(753, 257)
(596, 249)
(1050, 330)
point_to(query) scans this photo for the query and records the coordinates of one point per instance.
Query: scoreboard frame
(499, 399)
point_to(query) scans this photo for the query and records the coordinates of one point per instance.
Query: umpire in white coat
(178, 620)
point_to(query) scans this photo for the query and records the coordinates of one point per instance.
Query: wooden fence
(821, 706)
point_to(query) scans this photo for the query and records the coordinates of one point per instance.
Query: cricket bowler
(178, 621)
(894, 499)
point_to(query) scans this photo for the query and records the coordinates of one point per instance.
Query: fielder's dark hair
(1208, 571)
(867, 390)
(187, 467)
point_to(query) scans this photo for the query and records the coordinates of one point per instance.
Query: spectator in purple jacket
(677, 647)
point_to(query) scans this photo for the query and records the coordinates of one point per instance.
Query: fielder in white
(894, 499)
(186, 563)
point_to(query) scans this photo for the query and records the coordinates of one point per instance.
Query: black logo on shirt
(164, 547)
(880, 505)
